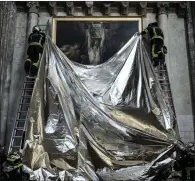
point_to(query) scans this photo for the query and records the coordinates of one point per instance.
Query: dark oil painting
(93, 42)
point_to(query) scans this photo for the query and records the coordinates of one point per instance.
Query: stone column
(32, 15)
(7, 40)
(162, 16)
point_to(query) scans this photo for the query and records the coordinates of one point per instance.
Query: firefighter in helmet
(157, 43)
(12, 167)
(36, 41)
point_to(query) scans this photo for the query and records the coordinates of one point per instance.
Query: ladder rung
(20, 119)
(27, 88)
(27, 96)
(30, 77)
(29, 81)
(19, 128)
(166, 90)
(15, 146)
(24, 103)
(22, 111)
(17, 136)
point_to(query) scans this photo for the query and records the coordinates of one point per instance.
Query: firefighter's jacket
(154, 32)
(37, 38)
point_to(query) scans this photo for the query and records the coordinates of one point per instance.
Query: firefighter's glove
(143, 32)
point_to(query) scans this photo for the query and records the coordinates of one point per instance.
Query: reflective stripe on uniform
(35, 43)
(38, 62)
(11, 159)
(156, 36)
(154, 55)
(28, 60)
(18, 165)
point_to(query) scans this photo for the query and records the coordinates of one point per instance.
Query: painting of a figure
(94, 41)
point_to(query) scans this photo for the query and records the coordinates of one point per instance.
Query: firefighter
(157, 43)
(12, 167)
(186, 159)
(36, 42)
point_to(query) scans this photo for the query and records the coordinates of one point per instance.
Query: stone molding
(162, 8)
(125, 8)
(89, 5)
(33, 6)
(52, 8)
(142, 10)
(70, 8)
(107, 8)
(181, 9)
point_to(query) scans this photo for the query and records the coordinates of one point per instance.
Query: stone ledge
(106, 8)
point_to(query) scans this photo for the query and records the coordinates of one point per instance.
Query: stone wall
(190, 34)
(7, 35)
(178, 70)
(17, 74)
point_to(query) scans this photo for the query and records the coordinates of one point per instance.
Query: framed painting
(93, 40)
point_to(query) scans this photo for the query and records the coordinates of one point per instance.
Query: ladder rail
(163, 77)
(15, 124)
(19, 112)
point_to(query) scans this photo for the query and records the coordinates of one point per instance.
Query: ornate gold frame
(94, 18)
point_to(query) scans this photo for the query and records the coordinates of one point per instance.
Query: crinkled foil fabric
(106, 122)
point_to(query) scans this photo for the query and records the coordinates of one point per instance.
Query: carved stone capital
(181, 9)
(52, 3)
(70, 7)
(142, 10)
(52, 8)
(107, 8)
(162, 8)
(125, 7)
(89, 5)
(33, 6)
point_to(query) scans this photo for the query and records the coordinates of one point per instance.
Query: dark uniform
(181, 165)
(157, 43)
(36, 42)
(12, 167)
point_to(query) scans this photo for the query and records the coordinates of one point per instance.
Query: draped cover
(104, 122)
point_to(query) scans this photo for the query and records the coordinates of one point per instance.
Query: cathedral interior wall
(177, 67)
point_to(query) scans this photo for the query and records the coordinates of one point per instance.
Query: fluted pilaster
(7, 39)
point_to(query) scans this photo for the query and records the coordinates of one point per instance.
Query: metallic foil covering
(104, 122)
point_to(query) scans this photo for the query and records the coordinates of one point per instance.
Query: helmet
(36, 28)
(153, 24)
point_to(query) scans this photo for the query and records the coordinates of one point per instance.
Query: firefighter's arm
(147, 30)
(43, 35)
(29, 38)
